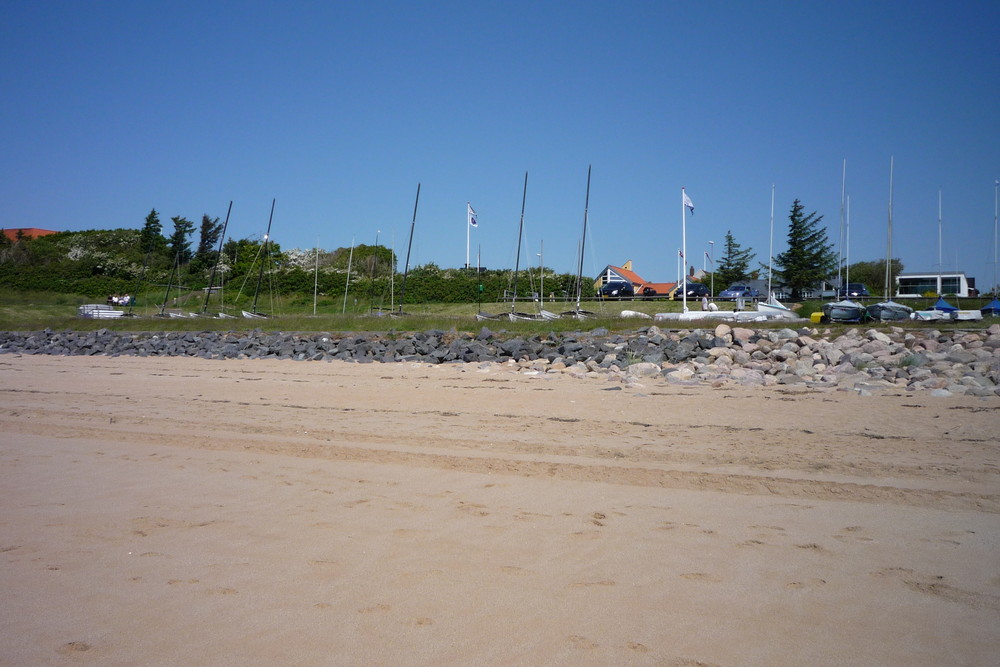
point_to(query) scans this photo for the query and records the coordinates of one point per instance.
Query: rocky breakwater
(864, 360)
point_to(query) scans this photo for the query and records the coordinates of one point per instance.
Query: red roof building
(27, 233)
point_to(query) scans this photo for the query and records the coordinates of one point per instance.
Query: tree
(152, 233)
(809, 258)
(872, 275)
(179, 242)
(210, 232)
(734, 265)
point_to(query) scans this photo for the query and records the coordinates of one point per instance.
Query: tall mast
(996, 186)
(263, 259)
(888, 254)
(350, 260)
(770, 247)
(406, 269)
(843, 192)
(940, 264)
(583, 242)
(520, 231)
(218, 258)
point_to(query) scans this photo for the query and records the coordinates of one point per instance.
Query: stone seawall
(951, 361)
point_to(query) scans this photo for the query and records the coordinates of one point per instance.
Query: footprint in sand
(222, 591)
(582, 643)
(69, 648)
(376, 608)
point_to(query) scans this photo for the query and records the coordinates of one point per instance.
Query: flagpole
(468, 232)
(684, 250)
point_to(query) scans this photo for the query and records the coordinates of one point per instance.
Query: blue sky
(339, 109)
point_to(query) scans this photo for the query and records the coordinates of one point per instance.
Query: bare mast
(263, 259)
(520, 231)
(406, 268)
(583, 243)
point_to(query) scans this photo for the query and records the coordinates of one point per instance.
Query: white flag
(472, 216)
(687, 201)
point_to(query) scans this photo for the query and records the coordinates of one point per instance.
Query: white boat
(968, 315)
(254, 316)
(99, 311)
(931, 315)
(776, 310)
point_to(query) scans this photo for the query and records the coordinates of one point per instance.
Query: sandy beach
(168, 511)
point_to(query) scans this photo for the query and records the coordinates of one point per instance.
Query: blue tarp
(992, 308)
(944, 306)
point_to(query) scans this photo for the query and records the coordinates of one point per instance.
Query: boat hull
(844, 311)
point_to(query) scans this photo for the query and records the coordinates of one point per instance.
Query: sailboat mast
(406, 269)
(347, 285)
(520, 232)
(843, 192)
(263, 259)
(218, 258)
(996, 187)
(888, 254)
(940, 264)
(583, 242)
(770, 246)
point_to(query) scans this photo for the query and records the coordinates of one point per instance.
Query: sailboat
(577, 312)
(889, 310)
(772, 307)
(252, 314)
(409, 246)
(215, 270)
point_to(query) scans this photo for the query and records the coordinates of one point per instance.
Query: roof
(27, 232)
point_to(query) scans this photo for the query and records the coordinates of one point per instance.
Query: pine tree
(152, 233)
(809, 258)
(210, 232)
(179, 243)
(734, 266)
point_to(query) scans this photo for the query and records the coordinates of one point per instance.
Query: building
(919, 284)
(625, 274)
(26, 233)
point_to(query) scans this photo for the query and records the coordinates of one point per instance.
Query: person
(704, 302)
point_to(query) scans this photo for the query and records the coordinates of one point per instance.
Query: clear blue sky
(339, 109)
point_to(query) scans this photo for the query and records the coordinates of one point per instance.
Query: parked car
(853, 290)
(616, 290)
(694, 291)
(739, 291)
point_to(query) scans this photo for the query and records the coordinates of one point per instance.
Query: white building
(919, 284)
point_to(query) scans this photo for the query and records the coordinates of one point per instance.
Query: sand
(181, 511)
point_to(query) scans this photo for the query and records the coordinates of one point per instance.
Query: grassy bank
(31, 311)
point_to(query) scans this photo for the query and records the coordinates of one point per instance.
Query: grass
(32, 311)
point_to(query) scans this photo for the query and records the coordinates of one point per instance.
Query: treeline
(99, 263)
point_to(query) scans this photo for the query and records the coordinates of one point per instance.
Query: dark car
(853, 290)
(616, 290)
(739, 291)
(694, 291)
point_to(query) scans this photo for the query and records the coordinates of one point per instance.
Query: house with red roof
(26, 233)
(625, 274)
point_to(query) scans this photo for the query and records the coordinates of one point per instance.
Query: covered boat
(992, 309)
(889, 311)
(942, 310)
(844, 311)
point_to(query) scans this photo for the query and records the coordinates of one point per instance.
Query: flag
(687, 201)
(472, 216)
(680, 253)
